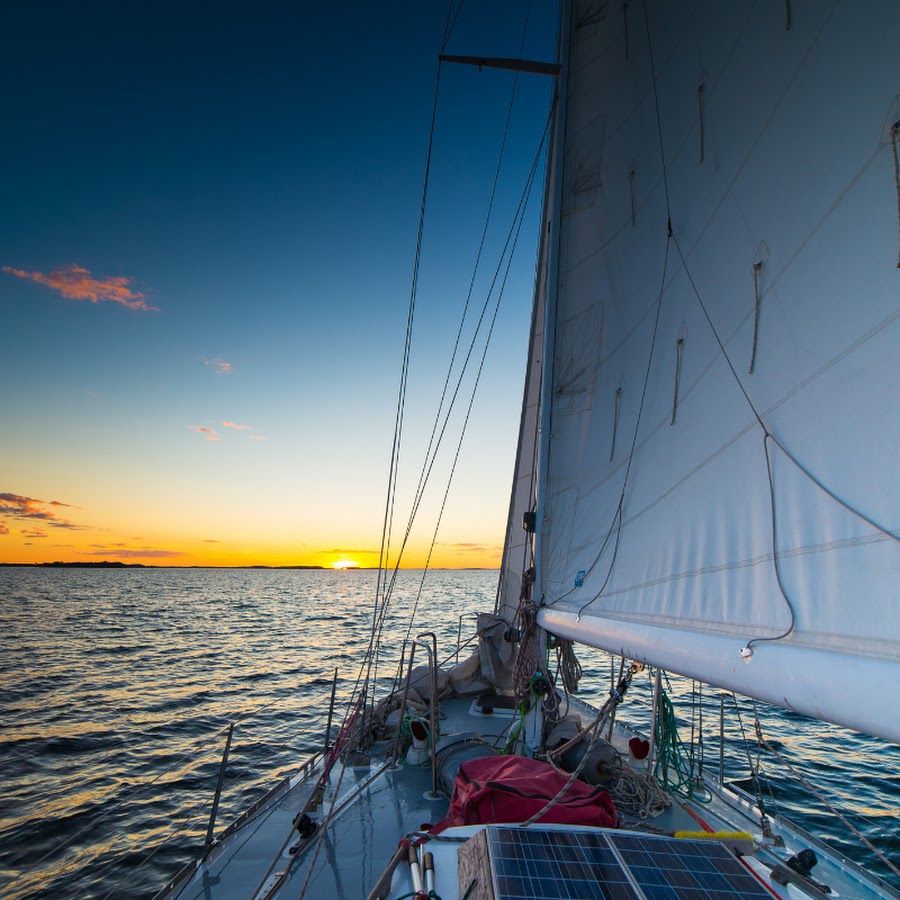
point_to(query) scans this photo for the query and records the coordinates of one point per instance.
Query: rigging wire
(442, 415)
(764, 743)
(192, 813)
(478, 254)
(507, 252)
(431, 452)
(510, 246)
(404, 371)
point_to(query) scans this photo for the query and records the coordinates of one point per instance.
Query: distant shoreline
(112, 564)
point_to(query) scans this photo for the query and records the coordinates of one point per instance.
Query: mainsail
(719, 490)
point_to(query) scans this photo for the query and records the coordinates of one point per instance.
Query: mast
(555, 191)
(518, 552)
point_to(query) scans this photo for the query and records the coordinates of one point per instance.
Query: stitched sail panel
(768, 508)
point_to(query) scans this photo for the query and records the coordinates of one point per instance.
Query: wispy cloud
(19, 507)
(74, 282)
(212, 435)
(348, 551)
(138, 553)
(209, 433)
(221, 367)
(4, 528)
(34, 534)
(248, 428)
(463, 547)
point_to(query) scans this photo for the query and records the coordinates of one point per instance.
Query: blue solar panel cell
(531, 864)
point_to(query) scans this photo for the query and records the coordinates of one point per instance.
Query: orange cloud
(253, 437)
(210, 433)
(346, 551)
(20, 507)
(464, 547)
(139, 554)
(4, 528)
(74, 282)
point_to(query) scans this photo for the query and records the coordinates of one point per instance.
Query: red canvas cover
(513, 788)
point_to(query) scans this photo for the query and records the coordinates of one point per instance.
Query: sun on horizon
(345, 564)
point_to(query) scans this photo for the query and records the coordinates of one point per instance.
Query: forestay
(720, 473)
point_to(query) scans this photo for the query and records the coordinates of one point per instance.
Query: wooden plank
(474, 868)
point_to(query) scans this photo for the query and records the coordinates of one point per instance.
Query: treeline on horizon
(115, 564)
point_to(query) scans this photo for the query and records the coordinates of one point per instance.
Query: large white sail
(720, 491)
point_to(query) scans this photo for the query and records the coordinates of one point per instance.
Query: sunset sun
(345, 564)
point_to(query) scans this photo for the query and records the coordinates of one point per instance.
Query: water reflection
(118, 686)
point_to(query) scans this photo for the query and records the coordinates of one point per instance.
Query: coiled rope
(637, 793)
(568, 668)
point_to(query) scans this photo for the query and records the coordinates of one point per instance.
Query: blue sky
(210, 216)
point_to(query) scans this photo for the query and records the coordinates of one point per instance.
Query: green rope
(515, 731)
(673, 769)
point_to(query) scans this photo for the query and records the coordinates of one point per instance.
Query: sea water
(117, 687)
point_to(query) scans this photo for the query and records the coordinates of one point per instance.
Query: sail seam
(749, 563)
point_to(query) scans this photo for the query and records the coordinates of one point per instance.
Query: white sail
(721, 471)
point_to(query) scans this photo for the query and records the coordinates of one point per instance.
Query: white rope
(569, 667)
(637, 793)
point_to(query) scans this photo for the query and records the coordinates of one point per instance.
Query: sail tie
(895, 136)
(632, 172)
(679, 347)
(757, 269)
(615, 428)
(700, 118)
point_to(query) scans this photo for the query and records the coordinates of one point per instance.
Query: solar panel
(530, 864)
